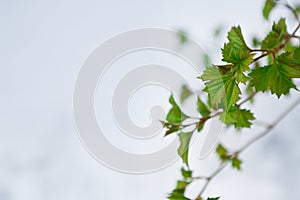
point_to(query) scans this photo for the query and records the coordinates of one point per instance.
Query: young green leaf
(236, 51)
(220, 88)
(215, 198)
(214, 86)
(268, 7)
(275, 77)
(240, 118)
(242, 78)
(290, 62)
(172, 128)
(218, 30)
(222, 152)
(297, 8)
(178, 192)
(202, 108)
(182, 36)
(183, 150)
(236, 163)
(185, 93)
(232, 90)
(206, 60)
(255, 42)
(187, 174)
(276, 36)
(175, 115)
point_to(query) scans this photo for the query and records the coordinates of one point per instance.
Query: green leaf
(255, 42)
(211, 73)
(221, 89)
(290, 62)
(204, 111)
(268, 7)
(242, 78)
(183, 150)
(236, 37)
(171, 128)
(182, 36)
(185, 93)
(206, 60)
(174, 118)
(232, 91)
(177, 195)
(182, 184)
(222, 152)
(175, 115)
(275, 77)
(209, 198)
(236, 163)
(276, 36)
(178, 192)
(214, 86)
(240, 118)
(215, 198)
(202, 108)
(187, 174)
(201, 124)
(236, 51)
(297, 8)
(218, 30)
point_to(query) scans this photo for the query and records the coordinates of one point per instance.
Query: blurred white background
(42, 46)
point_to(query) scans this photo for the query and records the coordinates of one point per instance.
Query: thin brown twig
(270, 127)
(260, 57)
(289, 37)
(247, 99)
(295, 36)
(295, 14)
(208, 180)
(259, 50)
(248, 144)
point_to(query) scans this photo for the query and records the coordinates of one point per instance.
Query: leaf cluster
(224, 87)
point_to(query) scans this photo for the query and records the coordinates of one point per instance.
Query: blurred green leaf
(276, 36)
(268, 7)
(172, 128)
(215, 198)
(206, 60)
(187, 174)
(175, 115)
(236, 163)
(182, 36)
(202, 108)
(183, 150)
(218, 30)
(185, 93)
(297, 8)
(290, 62)
(178, 192)
(222, 152)
(255, 42)
(240, 118)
